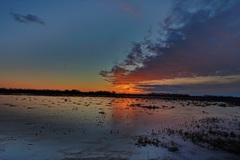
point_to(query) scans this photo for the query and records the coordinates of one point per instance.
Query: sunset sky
(131, 46)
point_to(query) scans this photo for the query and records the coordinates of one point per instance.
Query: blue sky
(78, 39)
(122, 45)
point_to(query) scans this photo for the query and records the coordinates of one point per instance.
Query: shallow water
(39, 127)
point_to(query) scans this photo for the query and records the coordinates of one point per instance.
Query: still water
(87, 128)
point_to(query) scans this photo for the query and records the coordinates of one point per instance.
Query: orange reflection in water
(120, 109)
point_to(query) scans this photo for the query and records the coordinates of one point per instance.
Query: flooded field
(101, 128)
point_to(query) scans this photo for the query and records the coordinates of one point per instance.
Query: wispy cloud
(129, 8)
(28, 18)
(198, 39)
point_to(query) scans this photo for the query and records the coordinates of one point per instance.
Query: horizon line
(102, 92)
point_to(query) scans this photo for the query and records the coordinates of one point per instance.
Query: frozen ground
(87, 128)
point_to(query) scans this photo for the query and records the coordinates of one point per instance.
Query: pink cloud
(129, 8)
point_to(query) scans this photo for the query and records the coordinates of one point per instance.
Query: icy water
(87, 128)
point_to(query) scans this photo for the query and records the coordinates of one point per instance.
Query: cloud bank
(29, 18)
(197, 39)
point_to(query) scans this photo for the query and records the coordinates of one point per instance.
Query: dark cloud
(27, 18)
(198, 38)
(118, 73)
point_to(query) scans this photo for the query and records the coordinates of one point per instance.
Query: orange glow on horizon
(126, 88)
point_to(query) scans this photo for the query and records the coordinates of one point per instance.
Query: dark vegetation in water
(97, 158)
(151, 106)
(207, 133)
(147, 107)
(143, 141)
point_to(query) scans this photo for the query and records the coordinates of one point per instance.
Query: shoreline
(75, 93)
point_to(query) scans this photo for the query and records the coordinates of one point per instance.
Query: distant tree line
(48, 92)
(74, 92)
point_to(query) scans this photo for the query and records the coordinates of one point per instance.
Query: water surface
(40, 127)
